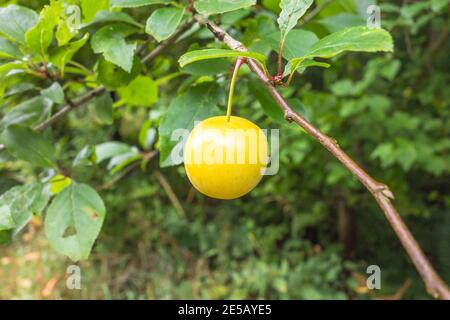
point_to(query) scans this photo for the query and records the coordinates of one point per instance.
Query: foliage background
(307, 233)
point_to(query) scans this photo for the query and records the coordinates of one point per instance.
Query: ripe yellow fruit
(226, 159)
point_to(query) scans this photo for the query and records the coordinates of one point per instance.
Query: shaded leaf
(197, 104)
(54, 93)
(26, 144)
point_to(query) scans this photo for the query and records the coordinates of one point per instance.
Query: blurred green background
(308, 232)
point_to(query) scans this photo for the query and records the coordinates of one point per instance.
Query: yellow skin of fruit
(226, 159)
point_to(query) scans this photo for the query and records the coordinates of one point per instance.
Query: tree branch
(434, 284)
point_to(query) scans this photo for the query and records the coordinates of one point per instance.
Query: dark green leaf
(28, 145)
(104, 108)
(27, 113)
(113, 77)
(197, 104)
(74, 220)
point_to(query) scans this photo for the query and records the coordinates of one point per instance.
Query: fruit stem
(238, 65)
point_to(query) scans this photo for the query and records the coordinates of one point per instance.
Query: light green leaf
(208, 7)
(54, 93)
(22, 202)
(105, 16)
(197, 104)
(64, 33)
(29, 113)
(141, 92)
(15, 21)
(9, 50)
(62, 55)
(136, 3)
(26, 144)
(91, 8)
(199, 55)
(6, 219)
(164, 22)
(86, 157)
(291, 12)
(74, 220)
(110, 149)
(39, 37)
(110, 41)
(351, 39)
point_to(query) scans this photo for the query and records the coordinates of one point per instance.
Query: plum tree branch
(383, 196)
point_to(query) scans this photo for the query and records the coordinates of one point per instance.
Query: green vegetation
(91, 92)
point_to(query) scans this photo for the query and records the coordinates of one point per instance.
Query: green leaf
(74, 220)
(22, 202)
(111, 149)
(292, 48)
(110, 41)
(199, 55)
(6, 219)
(141, 92)
(86, 157)
(291, 12)
(9, 50)
(39, 37)
(15, 21)
(208, 7)
(270, 107)
(105, 16)
(351, 39)
(196, 104)
(113, 77)
(342, 21)
(104, 108)
(164, 22)
(27, 113)
(136, 3)
(26, 144)
(62, 55)
(91, 8)
(54, 93)
(64, 33)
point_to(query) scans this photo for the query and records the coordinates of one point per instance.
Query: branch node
(288, 116)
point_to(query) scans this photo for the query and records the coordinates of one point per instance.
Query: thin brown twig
(170, 193)
(434, 284)
(164, 45)
(110, 184)
(314, 12)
